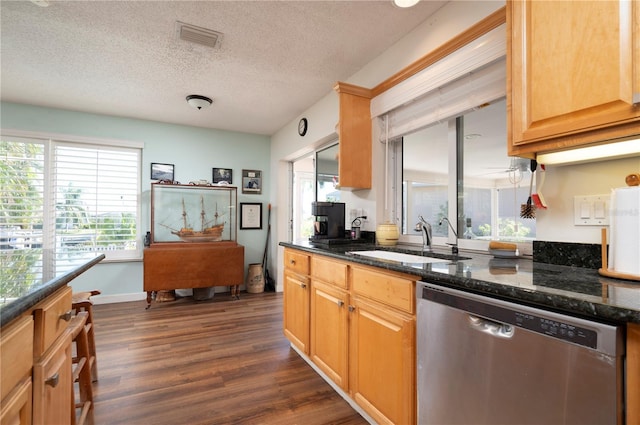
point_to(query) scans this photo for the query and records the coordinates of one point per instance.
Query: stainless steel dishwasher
(487, 361)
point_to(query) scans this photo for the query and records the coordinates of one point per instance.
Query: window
(70, 196)
(459, 169)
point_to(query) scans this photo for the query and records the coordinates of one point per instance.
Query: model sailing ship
(210, 231)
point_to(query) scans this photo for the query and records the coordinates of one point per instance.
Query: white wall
(562, 183)
(194, 152)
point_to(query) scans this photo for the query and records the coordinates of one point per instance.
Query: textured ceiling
(276, 58)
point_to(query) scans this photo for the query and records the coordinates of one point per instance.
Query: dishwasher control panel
(556, 329)
(519, 316)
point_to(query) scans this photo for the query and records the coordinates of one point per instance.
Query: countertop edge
(18, 307)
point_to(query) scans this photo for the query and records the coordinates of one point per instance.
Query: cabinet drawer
(16, 358)
(51, 319)
(296, 261)
(389, 289)
(329, 270)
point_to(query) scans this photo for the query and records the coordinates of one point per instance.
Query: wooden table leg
(149, 296)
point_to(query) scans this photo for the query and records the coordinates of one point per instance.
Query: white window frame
(50, 141)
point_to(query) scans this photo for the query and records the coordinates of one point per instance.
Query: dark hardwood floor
(220, 361)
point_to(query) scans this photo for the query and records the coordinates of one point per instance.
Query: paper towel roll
(624, 242)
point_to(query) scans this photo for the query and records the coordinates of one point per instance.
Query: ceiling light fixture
(592, 153)
(405, 3)
(198, 102)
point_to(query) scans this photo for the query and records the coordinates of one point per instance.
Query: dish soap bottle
(468, 233)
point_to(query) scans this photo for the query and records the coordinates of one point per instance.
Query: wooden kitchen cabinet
(16, 363)
(52, 384)
(329, 345)
(354, 133)
(382, 362)
(573, 73)
(296, 302)
(382, 354)
(52, 375)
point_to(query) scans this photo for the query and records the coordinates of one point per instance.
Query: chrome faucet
(427, 238)
(454, 246)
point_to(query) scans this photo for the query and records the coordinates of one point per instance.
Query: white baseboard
(119, 298)
(335, 386)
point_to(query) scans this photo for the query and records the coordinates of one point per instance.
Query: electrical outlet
(591, 210)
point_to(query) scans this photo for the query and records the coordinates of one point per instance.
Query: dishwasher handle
(497, 329)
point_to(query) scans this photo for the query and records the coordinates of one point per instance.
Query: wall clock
(302, 127)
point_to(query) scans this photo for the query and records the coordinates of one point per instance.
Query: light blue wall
(194, 152)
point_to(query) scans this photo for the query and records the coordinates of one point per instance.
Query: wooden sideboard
(170, 266)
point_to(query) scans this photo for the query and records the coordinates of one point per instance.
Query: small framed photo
(250, 215)
(222, 175)
(251, 181)
(162, 171)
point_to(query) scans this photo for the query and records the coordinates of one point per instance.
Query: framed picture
(251, 181)
(250, 215)
(162, 171)
(222, 175)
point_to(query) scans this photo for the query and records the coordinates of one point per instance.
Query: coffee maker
(328, 222)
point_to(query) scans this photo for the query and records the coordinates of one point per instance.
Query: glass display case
(193, 213)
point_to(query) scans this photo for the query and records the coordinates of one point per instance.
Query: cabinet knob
(292, 261)
(66, 316)
(53, 380)
(303, 285)
(340, 303)
(352, 308)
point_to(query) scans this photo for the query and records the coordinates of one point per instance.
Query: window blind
(70, 196)
(471, 76)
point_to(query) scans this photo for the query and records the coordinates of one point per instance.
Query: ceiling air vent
(198, 35)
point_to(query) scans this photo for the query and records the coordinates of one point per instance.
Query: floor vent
(194, 34)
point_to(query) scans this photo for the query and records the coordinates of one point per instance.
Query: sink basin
(398, 256)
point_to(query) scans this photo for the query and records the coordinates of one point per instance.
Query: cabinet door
(573, 67)
(16, 408)
(354, 132)
(329, 331)
(382, 362)
(296, 310)
(52, 384)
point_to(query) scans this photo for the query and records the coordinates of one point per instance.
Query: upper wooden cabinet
(573, 73)
(354, 132)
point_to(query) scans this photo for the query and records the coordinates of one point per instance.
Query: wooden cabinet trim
(489, 23)
(633, 374)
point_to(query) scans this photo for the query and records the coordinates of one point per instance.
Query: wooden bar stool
(81, 301)
(81, 372)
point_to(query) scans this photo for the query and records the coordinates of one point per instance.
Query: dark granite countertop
(31, 275)
(574, 290)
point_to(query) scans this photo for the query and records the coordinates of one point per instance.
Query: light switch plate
(591, 210)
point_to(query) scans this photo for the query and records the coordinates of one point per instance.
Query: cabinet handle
(352, 308)
(340, 303)
(303, 285)
(53, 381)
(66, 316)
(292, 261)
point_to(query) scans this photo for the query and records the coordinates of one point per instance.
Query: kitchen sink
(400, 257)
